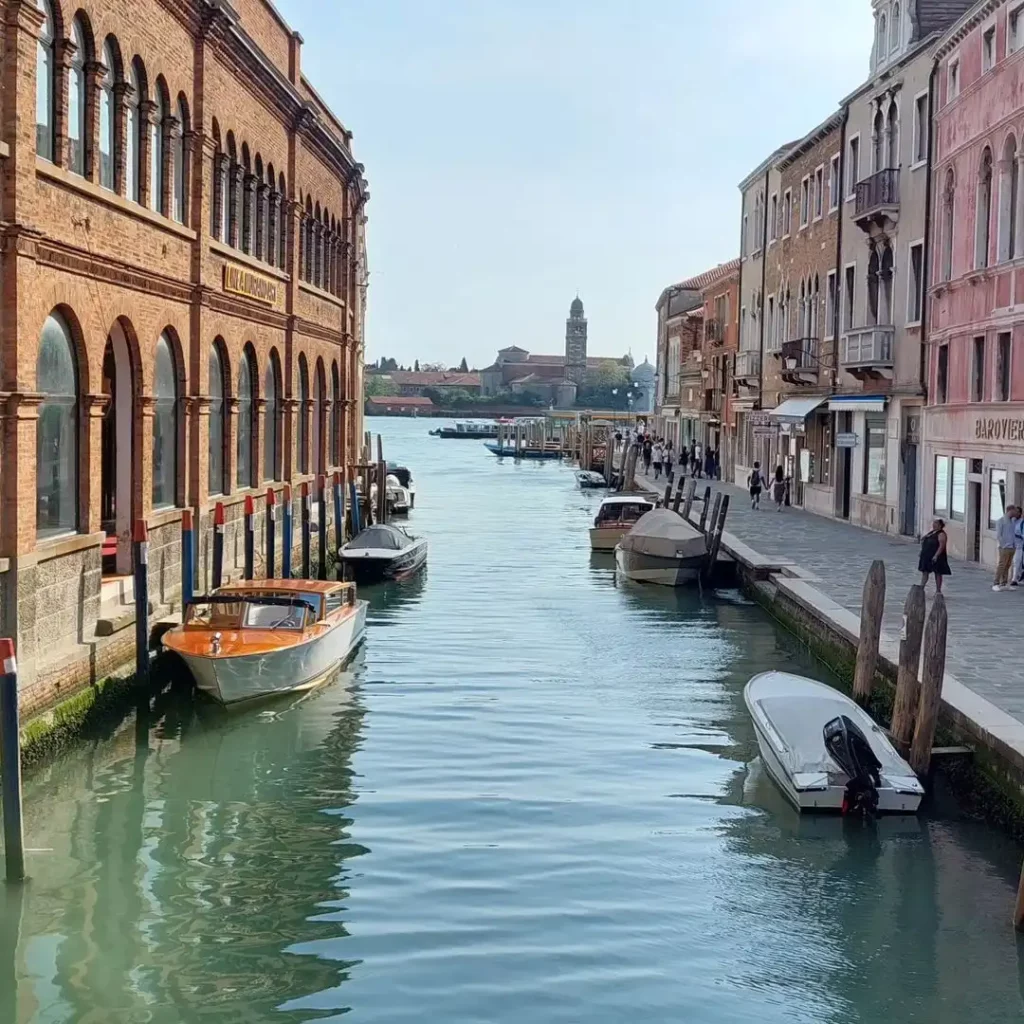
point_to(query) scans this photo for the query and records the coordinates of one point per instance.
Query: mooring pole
(933, 668)
(218, 545)
(338, 493)
(353, 495)
(668, 495)
(305, 530)
(140, 543)
(705, 509)
(321, 526)
(713, 525)
(907, 687)
(250, 539)
(691, 490)
(10, 764)
(872, 606)
(717, 530)
(270, 526)
(286, 533)
(188, 558)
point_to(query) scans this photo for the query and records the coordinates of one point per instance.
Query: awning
(796, 410)
(857, 403)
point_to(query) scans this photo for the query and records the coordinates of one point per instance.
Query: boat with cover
(589, 480)
(824, 751)
(258, 638)
(615, 517)
(468, 431)
(404, 475)
(662, 548)
(383, 552)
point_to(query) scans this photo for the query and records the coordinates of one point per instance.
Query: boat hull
(667, 572)
(607, 539)
(234, 680)
(509, 452)
(375, 566)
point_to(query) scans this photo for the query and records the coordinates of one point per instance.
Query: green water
(533, 798)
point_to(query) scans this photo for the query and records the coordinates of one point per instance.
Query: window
(335, 415)
(915, 297)
(978, 370)
(108, 122)
(244, 448)
(156, 156)
(996, 496)
(830, 304)
(773, 218)
(942, 375)
(983, 215)
(1008, 202)
(849, 294)
(805, 201)
(319, 398)
(921, 128)
(225, 199)
(133, 149)
(819, 192)
(852, 166)
(77, 101)
(958, 502)
(894, 29)
(56, 431)
(270, 418)
(282, 234)
(218, 422)
(988, 49)
(882, 45)
(874, 460)
(942, 486)
(787, 213)
(948, 204)
(1003, 367)
(302, 430)
(1015, 29)
(834, 184)
(165, 425)
(45, 64)
(178, 164)
(953, 86)
(745, 235)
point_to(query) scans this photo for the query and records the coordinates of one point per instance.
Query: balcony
(801, 359)
(714, 332)
(867, 352)
(712, 401)
(878, 200)
(748, 369)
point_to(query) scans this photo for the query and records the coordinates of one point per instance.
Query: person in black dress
(933, 560)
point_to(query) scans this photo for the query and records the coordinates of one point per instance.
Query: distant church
(555, 379)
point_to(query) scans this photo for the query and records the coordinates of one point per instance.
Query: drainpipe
(926, 245)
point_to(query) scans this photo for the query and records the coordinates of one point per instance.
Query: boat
(824, 751)
(549, 451)
(404, 475)
(397, 497)
(615, 518)
(260, 638)
(468, 431)
(662, 548)
(383, 552)
(587, 479)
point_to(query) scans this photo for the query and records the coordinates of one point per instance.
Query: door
(117, 459)
(909, 524)
(974, 521)
(844, 478)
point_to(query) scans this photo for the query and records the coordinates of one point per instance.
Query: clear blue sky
(520, 150)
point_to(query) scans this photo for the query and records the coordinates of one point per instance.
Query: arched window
(156, 154)
(271, 218)
(165, 425)
(983, 212)
(132, 136)
(302, 432)
(873, 271)
(245, 242)
(893, 133)
(282, 234)
(246, 413)
(879, 148)
(319, 397)
(77, 101)
(178, 164)
(271, 470)
(895, 29)
(1008, 202)
(108, 122)
(218, 422)
(232, 207)
(948, 209)
(883, 38)
(56, 431)
(45, 64)
(307, 244)
(885, 280)
(335, 415)
(815, 304)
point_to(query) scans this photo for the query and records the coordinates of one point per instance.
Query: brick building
(184, 295)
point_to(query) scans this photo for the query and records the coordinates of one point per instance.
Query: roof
(695, 285)
(420, 401)
(760, 169)
(427, 378)
(511, 348)
(938, 15)
(957, 30)
(812, 138)
(286, 586)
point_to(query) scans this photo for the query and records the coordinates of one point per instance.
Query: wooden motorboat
(615, 518)
(824, 751)
(662, 548)
(383, 552)
(469, 431)
(404, 475)
(263, 637)
(589, 480)
(396, 496)
(550, 451)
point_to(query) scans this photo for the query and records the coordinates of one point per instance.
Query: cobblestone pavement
(986, 649)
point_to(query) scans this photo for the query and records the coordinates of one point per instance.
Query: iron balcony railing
(748, 364)
(714, 331)
(880, 191)
(801, 354)
(868, 346)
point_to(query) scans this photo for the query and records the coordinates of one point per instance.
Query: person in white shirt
(657, 457)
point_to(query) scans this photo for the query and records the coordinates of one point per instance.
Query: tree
(416, 366)
(387, 364)
(378, 386)
(463, 366)
(433, 367)
(605, 386)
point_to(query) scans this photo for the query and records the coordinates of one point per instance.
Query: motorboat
(662, 548)
(615, 518)
(383, 552)
(589, 480)
(397, 497)
(825, 752)
(551, 450)
(404, 475)
(258, 638)
(468, 431)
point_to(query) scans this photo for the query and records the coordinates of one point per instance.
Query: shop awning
(857, 403)
(796, 410)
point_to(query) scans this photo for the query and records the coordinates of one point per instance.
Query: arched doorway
(117, 454)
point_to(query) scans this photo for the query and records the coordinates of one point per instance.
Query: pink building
(974, 420)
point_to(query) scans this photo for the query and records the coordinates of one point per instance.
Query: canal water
(534, 797)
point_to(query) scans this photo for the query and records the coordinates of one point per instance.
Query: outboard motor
(849, 748)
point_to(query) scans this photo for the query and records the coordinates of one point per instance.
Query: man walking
(1005, 530)
(1018, 551)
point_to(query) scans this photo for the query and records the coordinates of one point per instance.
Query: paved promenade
(986, 629)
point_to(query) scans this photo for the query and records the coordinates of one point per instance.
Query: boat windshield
(250, 612)
(621, 512)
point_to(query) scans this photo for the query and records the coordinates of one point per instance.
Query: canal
(536, 798)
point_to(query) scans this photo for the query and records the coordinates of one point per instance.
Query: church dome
(644, 373)
(576, 309)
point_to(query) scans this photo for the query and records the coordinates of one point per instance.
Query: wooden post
(218, 545)
(872, 606)
(933, 668)
(704, 510)
(382, 492)
(270, 528)
(679, 494)
(10, 765)
(713, 525)
(668, 495)
(691, 490)
(609, 454)
(188, 559)
(140, 542)
(286, 533)
(907, 687)
(321, 526)
(249, 538)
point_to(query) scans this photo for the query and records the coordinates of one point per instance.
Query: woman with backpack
(755, 484)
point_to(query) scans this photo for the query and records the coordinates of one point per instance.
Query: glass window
(107, 121)
(133, 121)
(874, 463)
(165, 426)
(1003, 368)
(302, 431)
(77, 101)
(996, 496)
(942, 485)
(958, 504)
(218, 431)
(56, 431)
(978, 370)
(335, 415)
(270, 422)
(178, 169)
(156, 156)
(244, 452)
(44, 83)
(225, 201)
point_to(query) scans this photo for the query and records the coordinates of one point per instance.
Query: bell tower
(576, 343)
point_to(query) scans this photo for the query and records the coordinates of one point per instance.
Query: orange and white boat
(262, 637)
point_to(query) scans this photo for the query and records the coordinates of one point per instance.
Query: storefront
(804, 450)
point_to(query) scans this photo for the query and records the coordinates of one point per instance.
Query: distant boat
(468, 431)
(589, 480)
(615, 518)
(383, 552)
(509, 451)
(662, 548)
(824, 751)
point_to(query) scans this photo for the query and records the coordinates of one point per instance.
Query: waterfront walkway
(985, 628)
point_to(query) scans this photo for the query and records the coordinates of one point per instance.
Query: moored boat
(404, 475)
(549, 451)
(589, 480)
(615, 517)
(824, 751)
(468, 431)
(662, 548)
(397, 496)
(383, 552)
(258, 638)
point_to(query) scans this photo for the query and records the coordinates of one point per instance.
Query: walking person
(657, 457)
(755, 484)
(709, 463)
(779, 488)
(668, 461)
(1005, 530)
(718, 464)
(648, 450)
(698, 458)
(1018, 552)
(933, 560)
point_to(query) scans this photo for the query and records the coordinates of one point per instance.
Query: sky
(521, 151)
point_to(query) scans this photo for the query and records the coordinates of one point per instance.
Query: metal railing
(880, 190)
(868, 346)
(714, 331)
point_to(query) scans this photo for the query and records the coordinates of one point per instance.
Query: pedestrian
(755, 484)
(1018, 552)
(709, 463)
(648, 450)
(1005, 539)
(657, 457)
(933, 560)
(718, 464)
(698, 458)
(668, 461)
(779, 488)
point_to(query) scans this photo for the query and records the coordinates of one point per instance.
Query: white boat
(397, 496)
(662, 548)
(615, 518)
(824, 751)
(383, 552)
(264, 637)
(588, 479)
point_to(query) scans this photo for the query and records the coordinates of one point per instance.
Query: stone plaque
(240, 281)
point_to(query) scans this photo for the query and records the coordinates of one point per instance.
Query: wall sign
(253, 286)
(847, 440)
(1002, 429)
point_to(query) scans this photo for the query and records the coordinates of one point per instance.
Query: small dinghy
(662, 548)
(383, 552)
(824, 751)
(588, 479)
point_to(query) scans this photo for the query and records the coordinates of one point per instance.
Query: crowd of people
(659, 454)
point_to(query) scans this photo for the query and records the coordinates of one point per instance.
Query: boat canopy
(662, 533)
(382, 536)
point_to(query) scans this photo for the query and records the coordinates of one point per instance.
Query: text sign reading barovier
(252, 286)
(999, 430)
